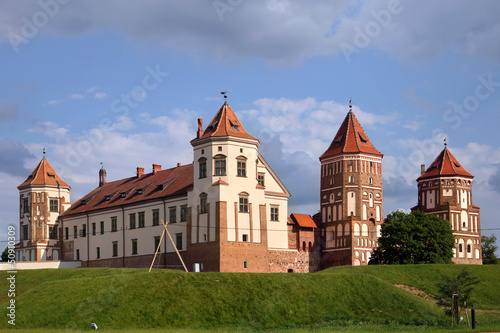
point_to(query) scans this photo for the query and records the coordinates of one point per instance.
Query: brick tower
(445, 190)
(43, 196)
(351, 196)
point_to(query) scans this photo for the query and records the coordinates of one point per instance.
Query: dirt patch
(417, 292)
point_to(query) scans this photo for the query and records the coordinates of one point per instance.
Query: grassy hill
(134, 298)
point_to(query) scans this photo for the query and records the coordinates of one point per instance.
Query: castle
(227, 211)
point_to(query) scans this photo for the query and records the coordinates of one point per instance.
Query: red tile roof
(445, 165)
(45, 175)
(162, 184)
(303, 220)
(350, 138)
(225, 123)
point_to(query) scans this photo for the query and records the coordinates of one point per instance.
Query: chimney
(156, 168)
(178, 164)
(140, 172)
(422, 169)
(200, 128)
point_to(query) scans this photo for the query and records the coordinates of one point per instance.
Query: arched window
(351, 179)
(310, 246)
(242, 166)
(356, 229)
(203, 203)
(364, 230)
(371, 180)
(243, 202)
(303, 246)
(220, 165)
(371, 199)
(202, 164)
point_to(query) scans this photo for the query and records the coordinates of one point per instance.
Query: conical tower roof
(445, 165)
(350, 138)
(44, 175)
(225, 123)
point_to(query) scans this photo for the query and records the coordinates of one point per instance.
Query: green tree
(456, 292)
(489, 248)
(415, 238)
(5, 254)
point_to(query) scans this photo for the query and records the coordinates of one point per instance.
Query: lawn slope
(134, 298)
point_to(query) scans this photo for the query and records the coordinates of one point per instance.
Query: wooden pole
(157, 249)
(175, 247)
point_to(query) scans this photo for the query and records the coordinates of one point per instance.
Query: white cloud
(91, 90)
(414, 125)
(54, 102)
(50, 130)
(100, 95)
(76, 96)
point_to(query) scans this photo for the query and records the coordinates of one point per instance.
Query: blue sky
(123, 83)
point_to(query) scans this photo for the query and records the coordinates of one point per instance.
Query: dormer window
(51, 175)
(234, 126)
(108, 197)
(362, 138)
(140, 191)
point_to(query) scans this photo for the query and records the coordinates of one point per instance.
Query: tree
(456, 292)
(415, 238)
(489, 248)
(5, 254)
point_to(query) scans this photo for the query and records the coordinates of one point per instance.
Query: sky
(123, 83)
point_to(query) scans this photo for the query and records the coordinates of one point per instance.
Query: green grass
(347, 299)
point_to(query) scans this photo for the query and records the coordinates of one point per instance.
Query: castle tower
(238, 204)
(445, 190)
(351, 196)
(43, 196)
(102, 176)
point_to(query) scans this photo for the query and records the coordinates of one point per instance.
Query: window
(460, 249)
(141, 219)
(202, 162)
(178, 241)
(77, 254)
(75, 231)
(54, 205)
(274, 213)
(26, 207)
(157, 242)
(98, 252)
(220, 165)
(351, 179)
(94, 229)
(53, 232)
(115, 249)
(242, 166)
(371, 180)
(260, 179)
(102, 227)
(114, 226)
(172, 215)
(134, 246)
(84, 230)
(203, 203)
(245, 264)
(184, 213)
(156, 217)
(26, 235)
(243, 203)
(245, 237)
(132, 221)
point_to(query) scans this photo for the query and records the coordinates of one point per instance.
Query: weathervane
(44, 151)
(445, 144)
(224, 93)
(350, 105)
